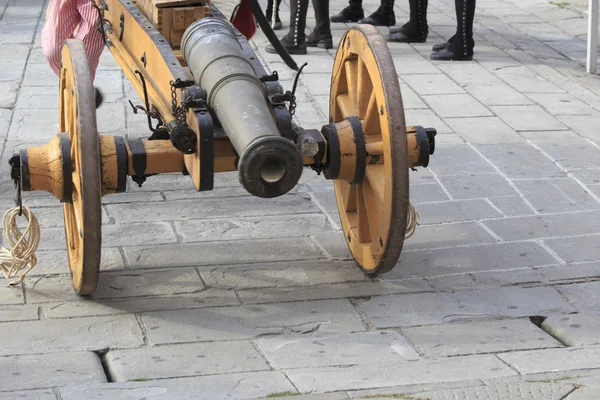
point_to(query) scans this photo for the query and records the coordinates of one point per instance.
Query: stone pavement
(221, 295)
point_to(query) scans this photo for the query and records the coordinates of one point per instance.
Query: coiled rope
(412, 220)
(23, 245)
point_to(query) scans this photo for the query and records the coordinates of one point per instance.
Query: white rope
(413, 219)
(23, 245)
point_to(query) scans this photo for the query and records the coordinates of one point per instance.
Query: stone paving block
(249, 385)
(585, 125)
(574, 330)
(16, 32)
(317, 84)
(436, 308)
(476, 186)
(398, 373)
(527, 118)
(456, 211)
(468, 74)
(211, 208)
(546, 226)
(426, 192)
(497, 94)
(551, 360)
(450, 283)
(561, 104)
(314, 317)
(456, 105)
(12, 62)
(410, 100)
(8, 95)
(48, 336)
(511, 206)
(509, 277)
(448, 235)
(588, 177)
(38, 97)
(584, 393)
(521, 161)
(34, 125)
(426, 84)
(19, 312)
(413, 64)
(501, 391)
(410, 389)
(576, 249)
(5, 116)
(297, 273)
(557, 195)
(111, 119)
(484, 130)
(571, 271)
(427, 119)
(254, 228)
(205, 298)
(583, 296)
(50, 370)
(322, 396)
(56, 261)
(339, 290)
(116, 285)
(217, 253)
(351, 349)
(567, 148)
(10, 295)
(47, 394)
(525, 80)
(470, 259)
(333, 246)
(479, 337)
(184, 360)
(40, 75)
(459, 159)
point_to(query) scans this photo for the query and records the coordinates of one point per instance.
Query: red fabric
(244, 20)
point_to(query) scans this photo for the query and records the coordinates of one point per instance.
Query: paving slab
(48, 336)
(313, 317)
(398, 373)
(456, 105)
(346, 349)
(216, 387)
(477, 186)
(584, 393)
(551, 360)
(50, 370)
(447, 340)
(576, 249)
(512, 206)
(448, 235)
(557, 195)
(484, 130)
(521, 161)
(185, 360)
(47, 394)
(574, 330)
(583, 296)
(571, 271)
(435, 308)
(24, 312)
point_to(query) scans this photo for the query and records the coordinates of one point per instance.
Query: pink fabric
(67, 19)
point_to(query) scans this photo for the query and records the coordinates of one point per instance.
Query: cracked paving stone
(552, 360)
(215, 387)
(50, 370)
(178, 361)
(49, 336)
(347, 349)
(583, 296)
(574, 329)
(312, 317)
(479, 337)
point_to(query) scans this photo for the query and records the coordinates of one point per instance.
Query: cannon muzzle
(269, 165)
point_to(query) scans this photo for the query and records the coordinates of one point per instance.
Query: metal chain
(178, 111)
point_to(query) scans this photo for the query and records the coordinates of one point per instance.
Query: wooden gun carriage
(211, 108)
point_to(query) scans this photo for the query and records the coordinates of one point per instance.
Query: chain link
(178, 111)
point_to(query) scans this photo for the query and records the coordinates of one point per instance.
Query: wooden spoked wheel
(373, 212)
(82, 215)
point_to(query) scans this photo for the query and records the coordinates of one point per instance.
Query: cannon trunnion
(211, 108)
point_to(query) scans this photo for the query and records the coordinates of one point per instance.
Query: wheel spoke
(365, 89)
(371, 124)
(352, 82)
(364, 225)
(375, 173)
(345, 104)
(350, 197)
(373, 207)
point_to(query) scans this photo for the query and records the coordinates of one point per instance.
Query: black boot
(294, 41)
(442, 46)
(321, 35)
(383, 16)
(416, 29)
(460, 47)
(269, 14)
(352, 13)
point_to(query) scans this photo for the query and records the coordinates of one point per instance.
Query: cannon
(212, 107)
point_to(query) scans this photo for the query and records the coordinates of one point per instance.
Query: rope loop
(23, 245)
(413, 219)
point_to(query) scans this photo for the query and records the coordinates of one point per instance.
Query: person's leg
(352, 13)
(321, 35)
(416, 29)
(460, 48)
(89, 34)
(383, 16)
(295, 40)
(61, 20)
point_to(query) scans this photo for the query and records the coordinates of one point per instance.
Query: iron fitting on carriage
(269, 165)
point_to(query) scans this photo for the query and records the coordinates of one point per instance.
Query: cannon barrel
(269, 165)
